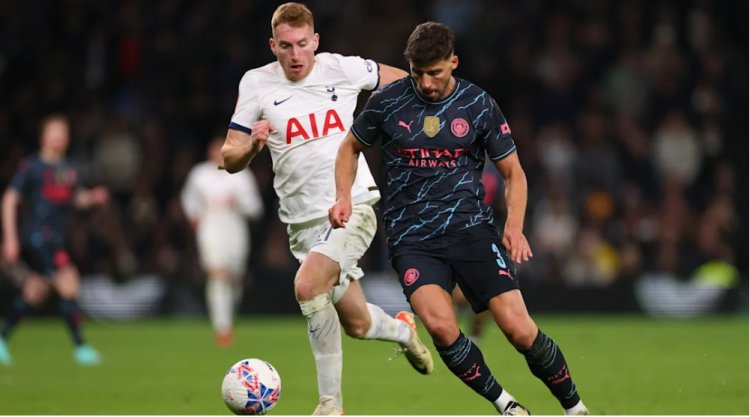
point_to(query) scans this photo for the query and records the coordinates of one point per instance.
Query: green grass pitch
(621, 364)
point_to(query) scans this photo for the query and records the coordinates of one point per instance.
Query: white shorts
(223, 243)
(344, 245)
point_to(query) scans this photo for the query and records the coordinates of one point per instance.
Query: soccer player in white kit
(301, 106)
(218, 206)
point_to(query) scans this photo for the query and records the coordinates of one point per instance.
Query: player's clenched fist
(262, 129)
(340, 212)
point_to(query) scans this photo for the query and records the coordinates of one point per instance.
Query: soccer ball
(251, 386)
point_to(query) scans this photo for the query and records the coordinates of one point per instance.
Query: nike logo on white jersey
(276, 103)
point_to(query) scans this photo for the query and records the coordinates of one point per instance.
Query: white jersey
(311, 117)
(220, 202)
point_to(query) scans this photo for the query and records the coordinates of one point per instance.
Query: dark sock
(465, 360)
(547, 363)
(72, 314)
(19, 309)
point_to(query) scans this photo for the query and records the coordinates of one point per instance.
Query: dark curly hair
(429, 42)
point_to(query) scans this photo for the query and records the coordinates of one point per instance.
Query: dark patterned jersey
(47, 189)
(433, 156)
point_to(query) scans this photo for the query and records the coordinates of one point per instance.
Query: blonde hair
(294, 14)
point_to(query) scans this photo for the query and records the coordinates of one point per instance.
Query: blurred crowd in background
(630, 119)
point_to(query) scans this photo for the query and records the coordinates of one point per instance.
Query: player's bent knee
(68, 289)
(356, 328)
(35, 291)
(221, 274)
(444, 332)
(521, 335)
(305, 289)
(308, 285)
(67, 283)
(35, 298)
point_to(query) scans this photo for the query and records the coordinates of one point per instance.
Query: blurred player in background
(48, 187)
(217, 205)
(301, 106)
(440, 233)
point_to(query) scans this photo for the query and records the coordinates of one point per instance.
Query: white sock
(385, 327)
(502, 401)
(220, 303)
(576, 410)
(324, 333)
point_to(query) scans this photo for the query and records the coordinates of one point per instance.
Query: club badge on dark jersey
(431, 126)
(433, 153)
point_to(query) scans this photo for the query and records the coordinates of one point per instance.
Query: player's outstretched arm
(389, 74)
(346, 171)
(239, 147)
(11, 249)
(515, 196)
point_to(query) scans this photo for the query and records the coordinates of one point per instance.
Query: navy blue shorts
(475, 260)
(46, 258)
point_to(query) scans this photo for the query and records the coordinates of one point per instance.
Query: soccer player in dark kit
(435, 131)
(49, 186)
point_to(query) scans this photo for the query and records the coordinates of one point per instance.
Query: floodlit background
(630, 119)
